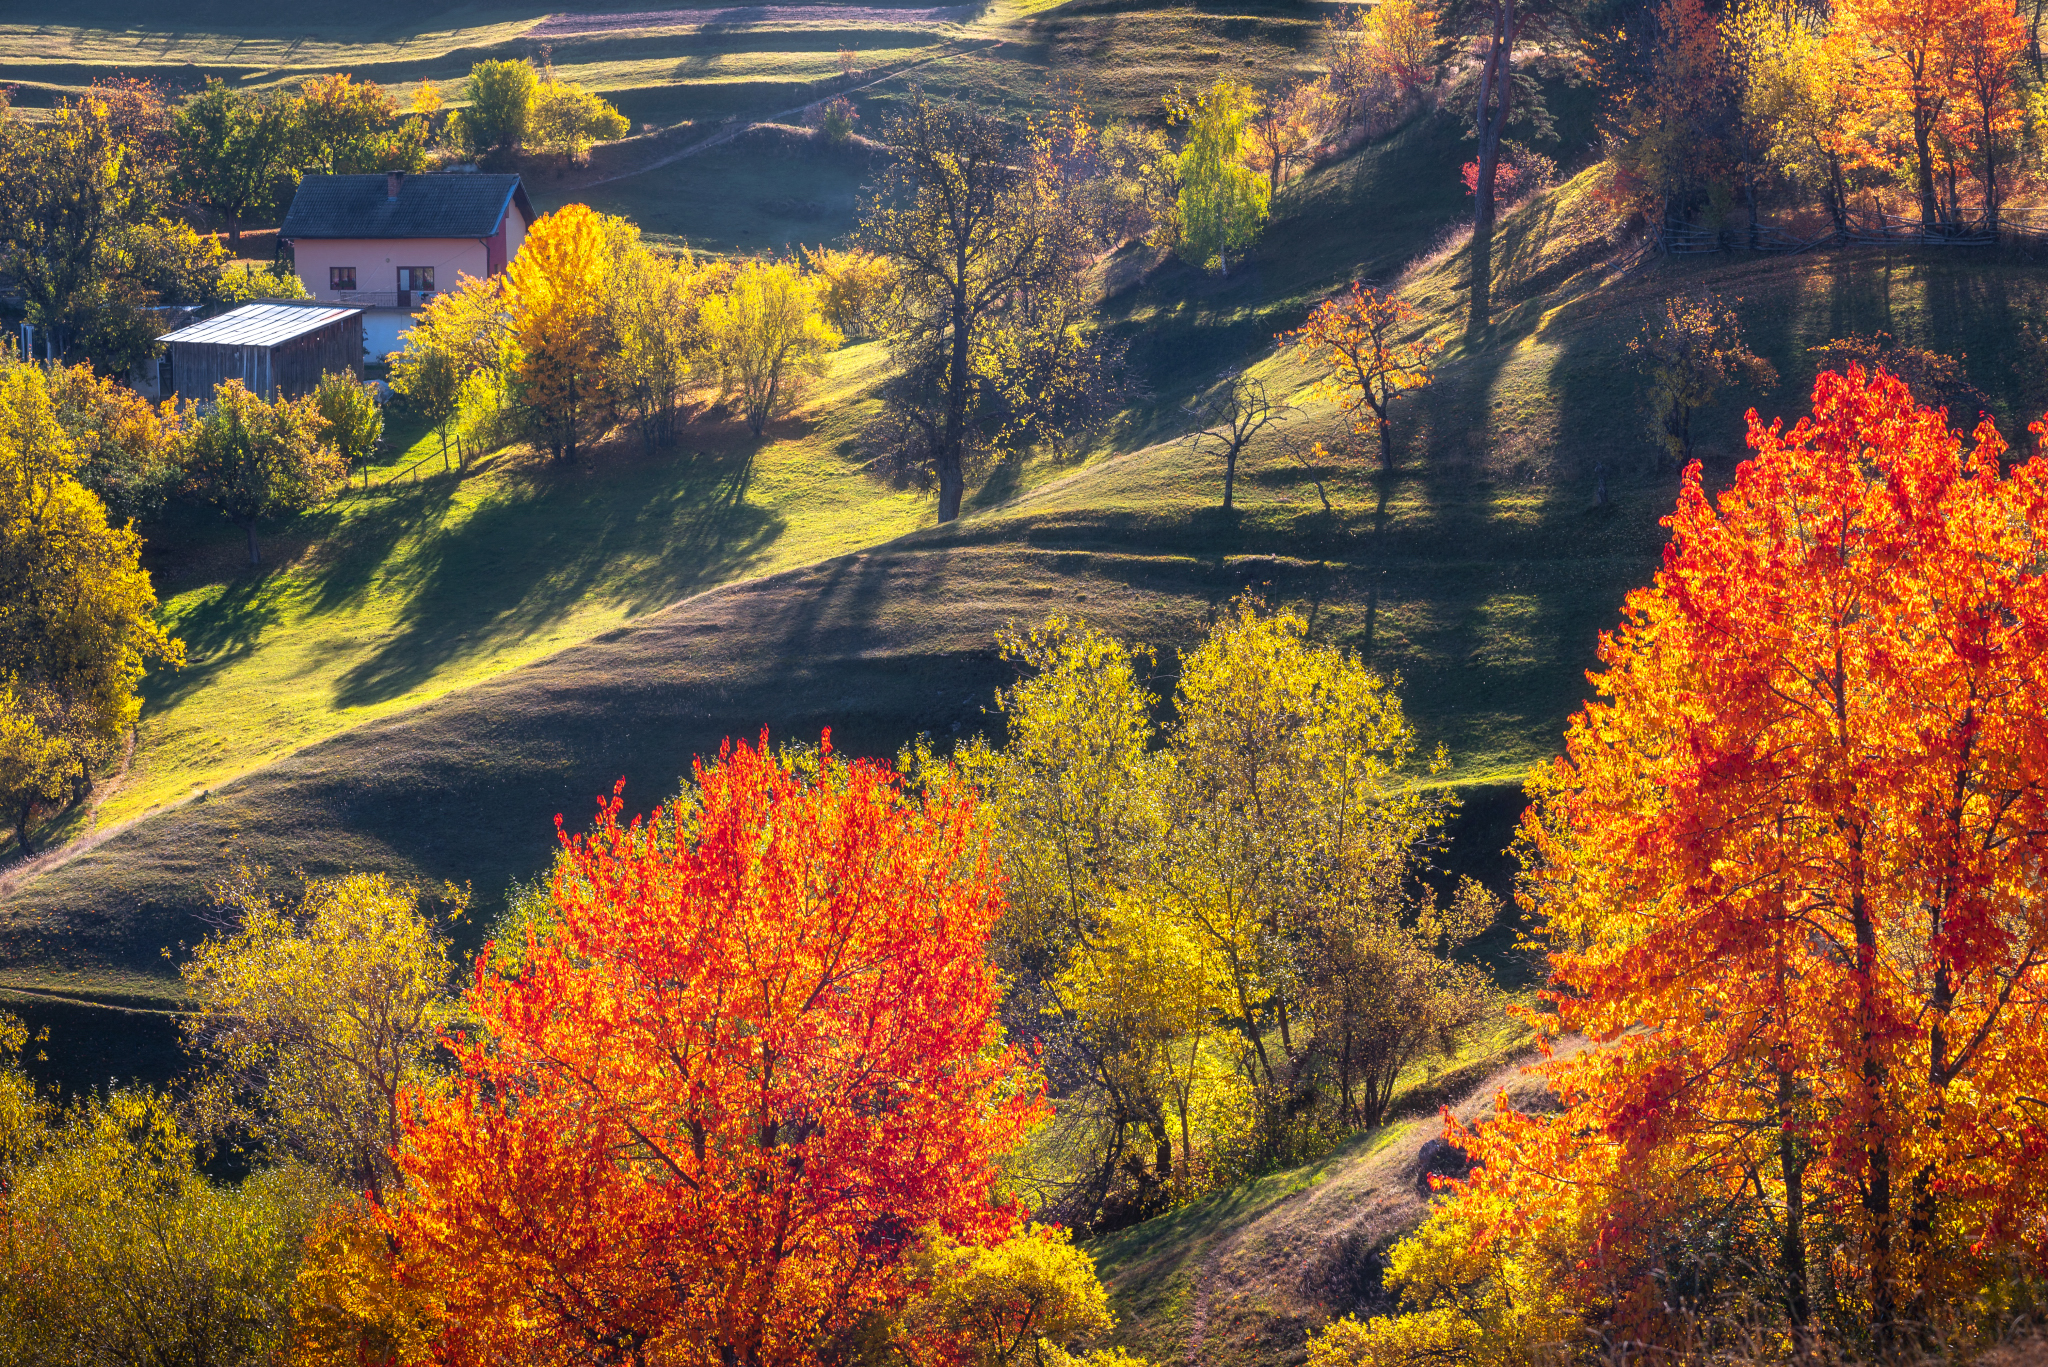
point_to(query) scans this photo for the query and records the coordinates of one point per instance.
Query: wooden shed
(272, 349)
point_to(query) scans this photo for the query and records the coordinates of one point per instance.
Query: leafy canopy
(709, 1111)
(1786, 872)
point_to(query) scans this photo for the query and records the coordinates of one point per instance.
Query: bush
(353, 422)
(836, 119)
(273, 282)
(565, 120)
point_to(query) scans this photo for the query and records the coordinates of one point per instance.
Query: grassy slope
(378, 604)
(1240, 1278)
(1481, 572)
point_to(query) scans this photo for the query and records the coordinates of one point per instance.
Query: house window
(419, 278)
(341, 277)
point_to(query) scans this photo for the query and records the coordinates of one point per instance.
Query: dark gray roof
(452, 204)
(259, 325)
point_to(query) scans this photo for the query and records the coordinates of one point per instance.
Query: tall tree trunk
(1990, 171)
(250, 528)
(1792, 1239)
(952, 478)
(1495, 104)
(1877, 1180)
(1386, 445)
(569, 422)
(22, 813)
(1229, 475)
(1923, 167)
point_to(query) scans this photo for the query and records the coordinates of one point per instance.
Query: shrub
(352, 422)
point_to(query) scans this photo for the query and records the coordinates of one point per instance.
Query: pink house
(387, 244)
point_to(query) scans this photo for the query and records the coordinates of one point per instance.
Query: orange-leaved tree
(1788, 870)
(748, 1063)
(555, 292)
(1915, 70)
(1360, 336)
(1986, 114)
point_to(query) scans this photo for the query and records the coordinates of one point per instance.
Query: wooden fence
(454, 460)
(1972, 227)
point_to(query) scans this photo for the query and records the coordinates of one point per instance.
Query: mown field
(421, 681)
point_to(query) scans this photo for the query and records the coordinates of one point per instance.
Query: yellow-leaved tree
(1199, 925)
(766, 331)
(857, 286)
(1293, 836)
(1032, 1299)
(565, 120)
(459, 362)
(116, 1246)
(555, 293)
(77, 612)
(659, 321)
(315, 1013)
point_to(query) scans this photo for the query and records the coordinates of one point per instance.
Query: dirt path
(1263, 1286)
(21, 870)
(952, 49)
(581, 25)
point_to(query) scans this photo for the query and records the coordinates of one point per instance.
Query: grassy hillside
(658, 60)
(374, 604)
(1242, 1277)
(403, 691)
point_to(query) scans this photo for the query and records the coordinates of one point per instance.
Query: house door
(414, 280)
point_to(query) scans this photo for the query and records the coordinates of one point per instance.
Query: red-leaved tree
(1802, 839)
(751, 1058)
(1789, 870)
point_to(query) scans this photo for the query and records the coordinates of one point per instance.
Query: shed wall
(293, 367)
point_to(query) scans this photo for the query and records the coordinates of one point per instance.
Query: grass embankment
(1242, 1277)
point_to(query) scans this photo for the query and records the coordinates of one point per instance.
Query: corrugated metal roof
(455, 204)
(258, 325)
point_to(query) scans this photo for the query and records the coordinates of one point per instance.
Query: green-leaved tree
(254, 460)
(1223, 201)
(499, 96)
(233, 147)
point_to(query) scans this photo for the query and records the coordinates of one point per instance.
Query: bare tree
(1231, 419)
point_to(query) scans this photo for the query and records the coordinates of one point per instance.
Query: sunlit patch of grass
(376, 604)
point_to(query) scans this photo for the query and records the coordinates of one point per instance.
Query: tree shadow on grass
(556, 538)
(354, 555)
(216, 634)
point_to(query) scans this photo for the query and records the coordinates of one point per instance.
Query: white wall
(384, 330)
